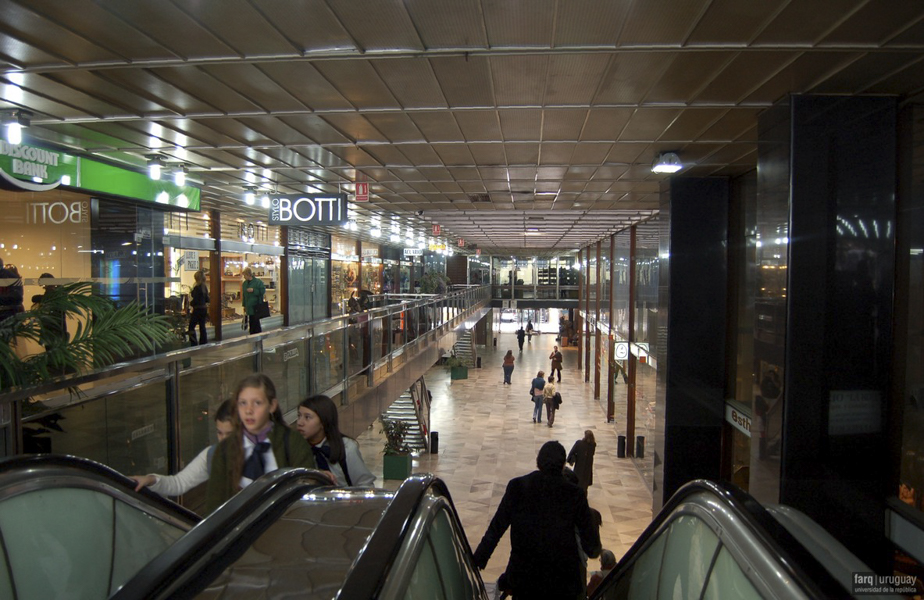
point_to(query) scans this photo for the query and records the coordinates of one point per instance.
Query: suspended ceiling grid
(489, 118)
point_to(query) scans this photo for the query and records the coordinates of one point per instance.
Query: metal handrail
(162, 361)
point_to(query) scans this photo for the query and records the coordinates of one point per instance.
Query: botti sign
(308, 209)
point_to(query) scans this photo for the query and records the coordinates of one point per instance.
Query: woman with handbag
(252, 291)
(535, 393)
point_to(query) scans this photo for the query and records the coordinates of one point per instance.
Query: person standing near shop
(556, 357)
(199, 303)
(251, 295)
(11, 292)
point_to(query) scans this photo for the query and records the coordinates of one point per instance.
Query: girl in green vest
(260, 442)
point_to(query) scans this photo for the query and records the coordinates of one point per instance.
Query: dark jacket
(556, 360)
(542, 511)
(199, 299)
(582, 457)
(10, 294)
(538, 383)
(289, 450)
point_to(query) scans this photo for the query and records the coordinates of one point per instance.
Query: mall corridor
(487, 437)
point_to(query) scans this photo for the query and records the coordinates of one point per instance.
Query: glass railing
(153, 414)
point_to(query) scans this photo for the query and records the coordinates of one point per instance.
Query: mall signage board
(36, 169)
(308, 209)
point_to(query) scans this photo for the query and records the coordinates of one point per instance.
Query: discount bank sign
(308, 209)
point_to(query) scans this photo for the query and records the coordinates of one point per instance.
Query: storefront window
(372, 268)
(344, 277)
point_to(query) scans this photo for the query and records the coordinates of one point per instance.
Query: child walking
(260, 442)
(319, 424)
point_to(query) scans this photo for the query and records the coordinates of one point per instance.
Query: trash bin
(640, 446)
(477, 362)
(495, 341)
(434, 442)
(621, 446)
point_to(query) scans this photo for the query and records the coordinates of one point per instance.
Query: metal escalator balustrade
(713, 540)
(298, 538)
(72, 527)
(413, 409)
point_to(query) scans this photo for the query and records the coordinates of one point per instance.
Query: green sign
(100, 177)
(39, 169)
(36, 169)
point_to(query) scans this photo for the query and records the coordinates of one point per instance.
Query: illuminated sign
(413, 252)
(57, 213)
(36, 169)
(308, 209)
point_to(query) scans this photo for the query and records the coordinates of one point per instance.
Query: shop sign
(192, 260)
(370, 252)
(308, 209)
(413, 252)
(372, 260)
(461, 243)
(436, 229)
(738, 419)
(35, 169)
(437, 246)
(478, 252)
(57, 213)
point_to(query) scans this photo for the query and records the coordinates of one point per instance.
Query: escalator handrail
(230, 530)
(797, 562)
(378, 555)
(27, 466)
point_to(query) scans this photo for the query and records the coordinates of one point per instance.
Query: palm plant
(105, 334)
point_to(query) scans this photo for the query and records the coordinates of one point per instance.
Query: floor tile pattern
(487, 437)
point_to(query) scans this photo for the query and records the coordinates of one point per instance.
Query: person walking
(556, 357)
(529, 330)
(535, 393)
(521, 337)
(582, 457)
(543, 511)
(508, 366)
(251, 295)
(199, 303)
(548, 398)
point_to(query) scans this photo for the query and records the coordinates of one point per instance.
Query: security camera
(419, 213)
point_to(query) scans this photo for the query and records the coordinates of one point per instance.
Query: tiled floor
(487, 437)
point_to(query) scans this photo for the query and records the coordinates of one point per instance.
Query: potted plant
(397, 459)
(457, 368)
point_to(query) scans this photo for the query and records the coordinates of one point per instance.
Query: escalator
(715, 541)
(73, 528)
(287, 536)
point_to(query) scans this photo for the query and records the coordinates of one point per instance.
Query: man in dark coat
(521, 335)
(10, 292)
(543, 512)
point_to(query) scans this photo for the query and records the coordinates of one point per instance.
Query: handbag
(261, 310)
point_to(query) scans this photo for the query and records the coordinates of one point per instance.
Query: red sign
(477, 251)
(436, 229)
(362, 192)
(461, 243)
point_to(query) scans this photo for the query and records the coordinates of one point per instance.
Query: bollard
(495, 342)
(434, 442)
(640, 446)
(477, 362)
(621, 446)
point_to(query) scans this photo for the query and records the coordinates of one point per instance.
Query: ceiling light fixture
(667, 162)
(155, 164)
(249, 197)
(15, 120)
(179, 176)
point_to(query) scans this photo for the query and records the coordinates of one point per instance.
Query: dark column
(215, 295)
(691, 376)
(839, 308)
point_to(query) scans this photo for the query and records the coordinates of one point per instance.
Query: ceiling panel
(441, 99)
